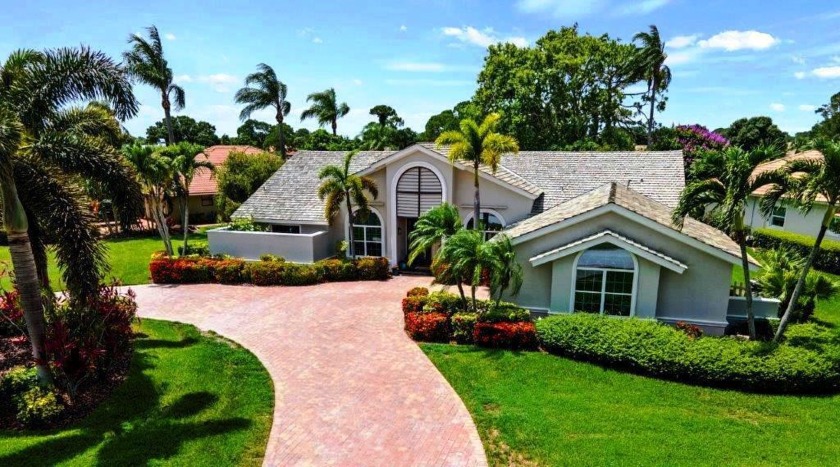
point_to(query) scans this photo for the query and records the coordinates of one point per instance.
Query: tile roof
(291, 194)
(613, 193)
(776, 164)
(204, 182)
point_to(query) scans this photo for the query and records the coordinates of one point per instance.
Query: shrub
(228, 271)
(443, 302)
(271, 257)
(652, 348)
(414, 304)
(505, 313)
(827, 260)
(265, 273)
(689, 329)
(16, 381)
(246, 224)
(418, 292)
(336, 270)
(180, 270)
(11, 314)
(299, 274)
(197, 249)
(427, 327)
(372, 269)
(506, 335)
(37, 406)
(463, 326)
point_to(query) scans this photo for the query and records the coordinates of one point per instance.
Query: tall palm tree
(465, 254)
(807, 182)
(188, 159)
(651, 62)
(44, 146)
(505, 271)
(148, 65)
(156, 175)
(325, 108)
(268, 91)
(433, 228)
(340, 185)
(723, 183)
(478, 144)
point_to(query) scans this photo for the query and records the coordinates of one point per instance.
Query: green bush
(37, 406)
(299, 274)
(655, 349)
(463, 326)
(504, 313)
(16, 381)
(827, 260)
(443, 302)
(336, 270)
(271, 257)
(197, 248)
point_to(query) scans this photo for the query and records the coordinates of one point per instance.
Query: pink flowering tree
(695, 139)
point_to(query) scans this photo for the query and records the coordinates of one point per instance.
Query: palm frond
(178, 96)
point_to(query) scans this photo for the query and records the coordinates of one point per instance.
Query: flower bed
(272, 271)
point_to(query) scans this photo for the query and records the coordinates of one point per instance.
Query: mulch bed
(15, 351)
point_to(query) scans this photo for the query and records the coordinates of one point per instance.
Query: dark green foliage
(20, 396)
(463, 325)
(829, 127)
(751, 133)
(196, 249)
(828, 259)
(240, 176)
(655, 349)
(443, 302)
(505, 313)
(184, 128)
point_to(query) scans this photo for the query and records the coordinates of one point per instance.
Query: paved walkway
(350, 387)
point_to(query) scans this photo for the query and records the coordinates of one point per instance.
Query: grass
(190, 399)
(128, 257)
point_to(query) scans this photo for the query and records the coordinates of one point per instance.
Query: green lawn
(129, 259)
(190, 399)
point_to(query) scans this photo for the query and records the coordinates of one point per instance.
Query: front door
(424, 260)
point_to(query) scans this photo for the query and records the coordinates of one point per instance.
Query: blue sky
(729, 59)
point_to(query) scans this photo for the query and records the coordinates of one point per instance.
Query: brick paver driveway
(350, 387)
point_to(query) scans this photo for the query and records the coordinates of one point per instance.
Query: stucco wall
(512, 206)
(795, 220)
(298, 248)
(700, 294)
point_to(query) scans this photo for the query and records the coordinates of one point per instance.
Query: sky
(729, 59)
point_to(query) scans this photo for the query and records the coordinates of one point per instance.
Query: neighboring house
(203, 189)
(786, 216)
(592, 229)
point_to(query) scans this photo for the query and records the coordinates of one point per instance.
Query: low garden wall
(299, 248)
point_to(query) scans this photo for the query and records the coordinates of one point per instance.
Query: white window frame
(471, 215)
(365, 227)
(603, 293)
(774, 216)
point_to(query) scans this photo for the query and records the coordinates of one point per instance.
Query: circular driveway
(350, 387)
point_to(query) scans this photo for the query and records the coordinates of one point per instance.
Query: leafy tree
(148, 65)
(780, 272)
(378, 137)
(750, 133)
(188, 160)
(722, 184)
(695, 140)
(263, 90)
(830, 126)
(272, 140)
(156, 175)
(478, 144)
(184, 128)
(340, 185)
(651, 62)
(45, 148)
(239, 176)
(386, 115)
(405, 137)
(252, 133)
(325, 108)
(322, 140)
(449, 120)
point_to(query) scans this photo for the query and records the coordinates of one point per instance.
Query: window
(490, 223)
(206, 200)
(604, 281)
(367, 235)
(287, 229)
(778, 217)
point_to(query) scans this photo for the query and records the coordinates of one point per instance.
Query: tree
(376, 137)
(433, 228)
(505, 271)
(386, 115)
(722, 184)
(239, 176)
(44, 146)
(807, 181)
(340, 185)
(252, 133)
(322, 140)
(651, 60)
(478, 144)
(148, 65)
(188, 160)
(184, 128)
(449, 120)
(465, 255)
(263, 90)
(750, 133)
(829, 127)
(325, 108)
(780, 272)
(156, 175)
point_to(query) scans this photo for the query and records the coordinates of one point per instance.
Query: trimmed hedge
(463, 327)
(427, 327)
(189, 270)
(827, 260)
(518, 335)
(656, 349)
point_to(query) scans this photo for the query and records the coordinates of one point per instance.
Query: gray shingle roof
(291, 194)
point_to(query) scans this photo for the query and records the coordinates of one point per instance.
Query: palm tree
(186, 164)
(505, 271)
(45, 147)
(267, 92)
(806, 182)
(478, 144)
(433, 228)
(147, 64)
(156, 175)
(325, 108)
(651, 62)
(466, 256)
(340, 185)
(780, 272)
(723, 183)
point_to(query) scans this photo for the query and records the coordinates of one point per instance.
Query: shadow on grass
(132, 426)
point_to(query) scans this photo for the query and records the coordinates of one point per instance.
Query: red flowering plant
(506, 335)
(428, 327)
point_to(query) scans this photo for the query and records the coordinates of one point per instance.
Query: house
(203, 190)
(785, 216)
(592, 230)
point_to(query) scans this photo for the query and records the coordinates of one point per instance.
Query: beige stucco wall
(700, 294)
(512, 206)
(795, 220)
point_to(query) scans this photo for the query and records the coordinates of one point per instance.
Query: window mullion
(603, 289)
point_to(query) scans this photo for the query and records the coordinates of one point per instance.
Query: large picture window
(490, 223)
(367, 234)
(604, 281)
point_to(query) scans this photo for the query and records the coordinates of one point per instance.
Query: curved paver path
(350, 387)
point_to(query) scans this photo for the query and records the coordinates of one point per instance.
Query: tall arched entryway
(418, 189)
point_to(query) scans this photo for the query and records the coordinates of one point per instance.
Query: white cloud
(220, 82)
(170, 36)
(807, 107)
(642, 7)
(682, 57)
(403, 28)
(800, 74)
(183, 79)
(827, 72)
(317, 40)
(680, 42)
(562, 8)
(798, 59)
(430, 67)
(739, 40)
(483, 38)
(777, 107)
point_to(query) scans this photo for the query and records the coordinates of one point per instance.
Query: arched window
(490, 223)
(605, 281)
(367, 234)
(418, 190)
